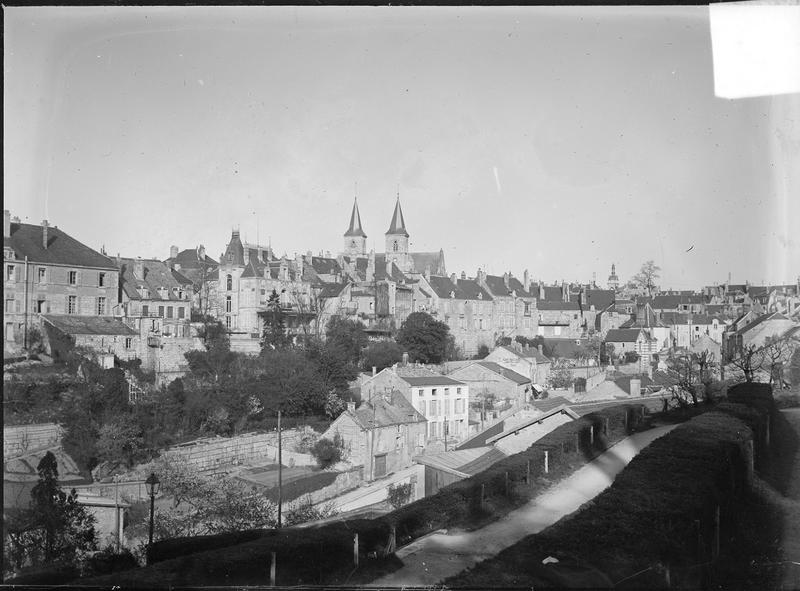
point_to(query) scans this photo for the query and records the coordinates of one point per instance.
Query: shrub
(328, 452)
(400, 494)
(631, 357)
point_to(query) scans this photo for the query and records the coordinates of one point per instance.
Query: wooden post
(355, 549)
(392, 544)
(528, 473)
(750, 460)
(272, 565)
(667, 577)
(577, 442)
(591, 434)
(715, 548)
(626, 420)
(506, 483)
(483, 494)
(546, 462)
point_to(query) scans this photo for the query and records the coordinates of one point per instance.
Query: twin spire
(397, 226)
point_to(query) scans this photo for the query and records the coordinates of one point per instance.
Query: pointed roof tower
(355, 222)
(398, 225)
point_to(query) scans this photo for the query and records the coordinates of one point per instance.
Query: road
(433, 558)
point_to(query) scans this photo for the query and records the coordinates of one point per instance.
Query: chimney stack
(201, 253)
(374, 371)
(351, 406)
(541, 351)
(405, 359)
(44, 233)
(463, 274)
(526, 281)
(173, 251)
(6, 223)
(453, 279)
(505, 279)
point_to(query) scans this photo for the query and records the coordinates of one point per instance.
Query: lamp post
(152, 483)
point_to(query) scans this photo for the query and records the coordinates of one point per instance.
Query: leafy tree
(631, 357)
(794, 368)
(55, 530)
(400, 494)
(483, 351)
(215, 361)
(274, 336)
(647, 276)
(121, 439)
(289, 382)
(560, 377)
(607, 353)
(381, 355)
(424, 338)
(347, 336)
(303, 510)
(749, 361)
(328, 452)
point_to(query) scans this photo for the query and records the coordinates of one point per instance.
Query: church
(396, 241)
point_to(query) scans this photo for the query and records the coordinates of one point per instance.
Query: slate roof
(355, 223)
(479, 440)
(62, 249)
(331, 290)
(645, 318)
(433, 260)
(517, 286)
(528, 353)
(497, 286)
(470, 289)
(442, 286)
(190, 259)
(506, 373)
(563, 348)
(89, 325)
(398, 224)
(234, 253)
(432, 381)
(552, 293)
(463, 461)
(156, 274)
(548, 404)
(599, 298)
(670, 302)
(325, 266)
(622, 335)
(378, 412)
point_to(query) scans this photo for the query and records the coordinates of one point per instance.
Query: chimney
(327, 254)
(405, 359)
(541, 290)
(119, 262)
(173, 251)
(298, 261)
(44, 233)
(505, 279)
(6, 223)
(201, 253)
(374, 371)
(351, 406)
(370, 272)
(526, 281)
(260, 254)
(138, 268)
(453, 279)
(541, 351)
(246, 255)
(636, 387)
(427, 273)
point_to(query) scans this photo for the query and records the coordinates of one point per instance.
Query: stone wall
(21, 439)
(344, 482)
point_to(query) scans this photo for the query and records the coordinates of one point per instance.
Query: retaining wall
(21, 439)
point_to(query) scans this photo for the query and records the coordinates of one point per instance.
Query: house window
(128, 342)
(169, 311)
(101, 306)
(161, 311)
(458, 391)
(228, 304)
(228, 322)
(433, 392)
(42, 274)
(394, 246)
(101, 280)
(10, 273)
(421, 392)
(432, 408)
(459, 405)
(72, 304)
(73, 277)
(9, 305)
(145, 310)
(446, 391)
(228, 283)
(557, 330)
(41, 306)
(181, 312)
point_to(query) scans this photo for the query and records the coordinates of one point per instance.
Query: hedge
(659, 510)
(324, 554)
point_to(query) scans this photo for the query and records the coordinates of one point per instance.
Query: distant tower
(613, 280)
(355, 240)
(397, 238)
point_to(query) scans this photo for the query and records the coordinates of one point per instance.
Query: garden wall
(22, 439)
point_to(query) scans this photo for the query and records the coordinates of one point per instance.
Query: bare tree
(749, 361)
(776, 352)
(646, 277)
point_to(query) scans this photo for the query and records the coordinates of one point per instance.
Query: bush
(631, 357)
(400, 494)
(327, 452)
(109, 560)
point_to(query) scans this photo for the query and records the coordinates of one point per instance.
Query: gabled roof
(761, 319)
(552, 293)
(673, 302)
(331, 290)
(518, 287)
(527, 353)
(547, 404)
(355, 223)
(497, 286)
(380, 412)
(463, 462)
(190, 259)
(62, 249)
(506, 373)
(326, 266)
(398, 224)
(645, 318)
(623, 335)
(429, 260)
(89, 325)
(560, 409)
(156, 275)
(442, 286)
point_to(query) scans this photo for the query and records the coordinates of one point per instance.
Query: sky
(552, 139)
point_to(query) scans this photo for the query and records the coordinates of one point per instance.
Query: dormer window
(480, 295)
(452, 294)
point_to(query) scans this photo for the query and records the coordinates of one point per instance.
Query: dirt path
(433, 558)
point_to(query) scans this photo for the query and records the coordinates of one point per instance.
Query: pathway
(433, 558)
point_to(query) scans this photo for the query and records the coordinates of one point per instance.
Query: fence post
(577, 442)
(355, 549)
(506, 483)
(272, 565)
(626, 420)
(591, 434)
(528, 473)
(546, 462)
(750, 460)
(715, 548)
(483, 493)
(392, 545)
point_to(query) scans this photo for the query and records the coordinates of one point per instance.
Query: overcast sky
(557, 140)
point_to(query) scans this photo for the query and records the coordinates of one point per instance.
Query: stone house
(104, 335)
(490, 379)
(47, 271)
(522, 430)
(562, 319)
(686, 328)
(633, 339)
(743, 334)
(694, 303)
(514, 305)
(442, 400)
(383, 434)
(647, 319)
(199, 268)
(527, 361)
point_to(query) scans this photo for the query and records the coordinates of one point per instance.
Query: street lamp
(153, 484)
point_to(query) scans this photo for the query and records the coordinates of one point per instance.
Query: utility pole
(25, 323)
(280, 472)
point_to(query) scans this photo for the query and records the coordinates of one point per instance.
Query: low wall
(592, 381)
(344, 482)
(21, 439)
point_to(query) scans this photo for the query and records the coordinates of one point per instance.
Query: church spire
(398, 225)
(355, 222)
